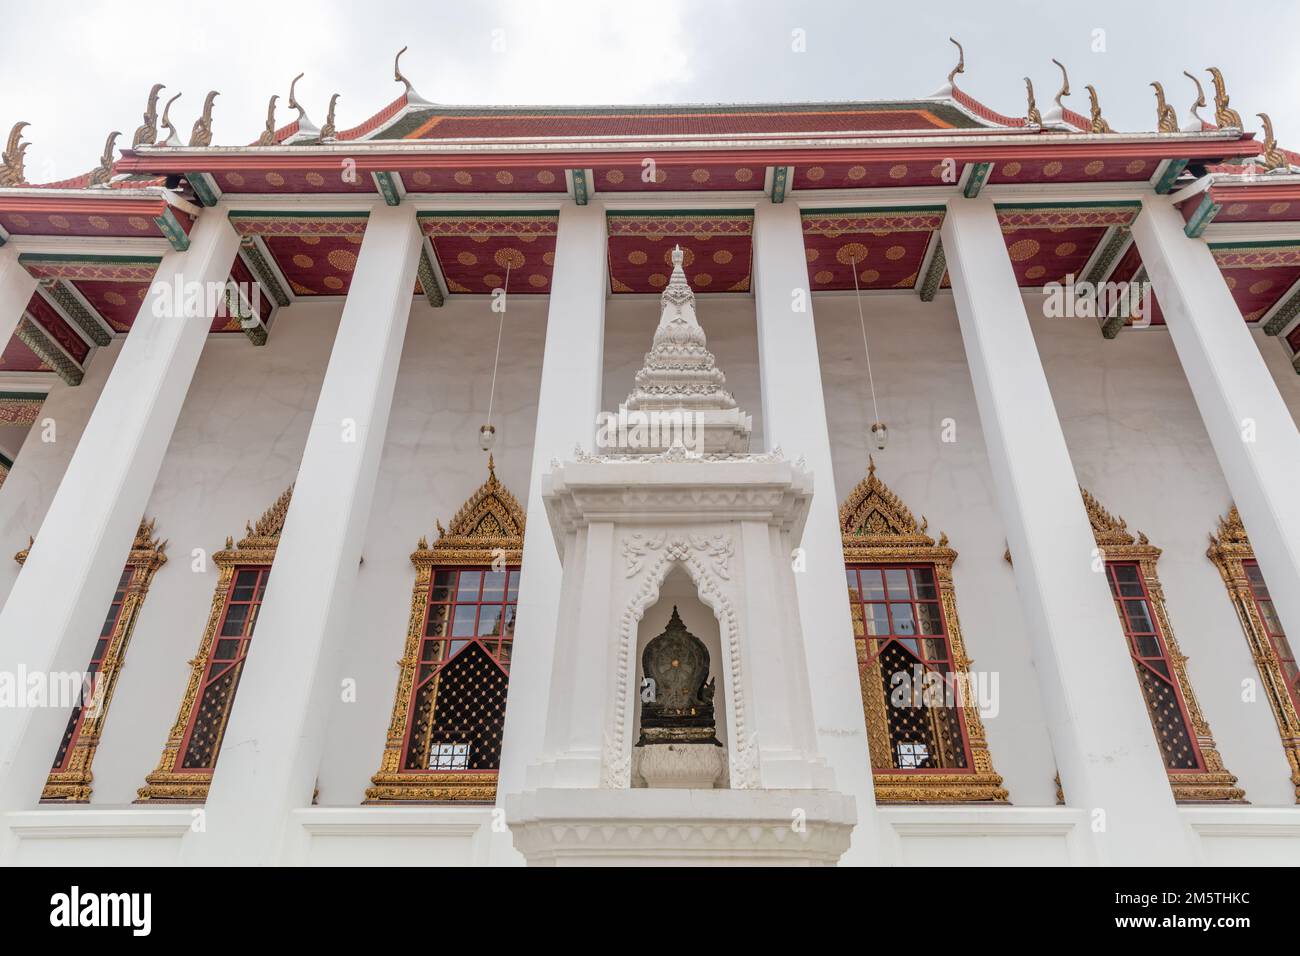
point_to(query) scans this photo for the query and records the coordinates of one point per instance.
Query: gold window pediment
(879, 531)
(486, 535)
(170, 781)
(71, 779)
(1209, 781)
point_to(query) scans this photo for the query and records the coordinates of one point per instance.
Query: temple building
(863, 483)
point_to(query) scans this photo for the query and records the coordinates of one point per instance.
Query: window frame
(878, 530)
(486, 533)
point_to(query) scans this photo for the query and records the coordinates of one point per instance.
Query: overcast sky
(77, 70)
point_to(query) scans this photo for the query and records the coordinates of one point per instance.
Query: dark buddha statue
(681, 711)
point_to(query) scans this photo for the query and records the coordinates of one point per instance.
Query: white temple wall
(1130, 420)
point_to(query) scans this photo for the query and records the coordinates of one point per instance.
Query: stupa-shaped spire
(680, 375)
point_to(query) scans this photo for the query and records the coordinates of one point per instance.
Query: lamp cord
(865, 348)
(501, 325)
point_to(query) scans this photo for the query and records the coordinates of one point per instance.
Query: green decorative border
(1173, 170)
(1111, 247)
(934, 273)
(581, 192)
(1281, 318)
(429, 281)
(31, 335)
(780, 182)
(979, 175)
(389, 187)
(71, 308)
(170, 227)
(263, 272)
(205, 188)
(1202, 217)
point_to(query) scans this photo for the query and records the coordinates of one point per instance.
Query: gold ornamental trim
(487, 530)
(169, 782)
(74, 784)
(1116, 543)
(877, 528)
(1229, 550)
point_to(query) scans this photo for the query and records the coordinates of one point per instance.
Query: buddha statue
(680, 708)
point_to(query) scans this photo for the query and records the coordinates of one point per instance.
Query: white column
(56, 608)
(1099, 727)
(16, 288)
(794, 417)
(567, 405)
(1250, 427)
(271, 750)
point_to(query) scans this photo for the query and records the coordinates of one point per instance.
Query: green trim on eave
(387, 184)
(171, 228)
(858, 210)
(780, 182)
(27, 257)
(204, 188)
(1202, 217)
(485, 214)
(1287, 311)
(23, 396)
(679, 213)
(296, 214)
(1166, 181)
(428, 280)
(581, 193)
(979, 175)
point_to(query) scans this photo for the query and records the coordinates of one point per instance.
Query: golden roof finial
(492, 468)
(1223, 116)
(1065, 86)
(1274, 158)
(293, 98)
(201, 134)
(104, 171)
(1099, 124)
(147, 133)
(329, 130)
(12, 159)
(397, 71)
(1166, 118)
(268, 134)
(1033, 117)
(167, 122)
(961, 63)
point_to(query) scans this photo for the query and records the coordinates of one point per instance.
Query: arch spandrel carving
(878, 529)
(486, 532)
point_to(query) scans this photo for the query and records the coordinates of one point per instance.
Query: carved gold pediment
(260, 539)
(488, 523)
(874, 517)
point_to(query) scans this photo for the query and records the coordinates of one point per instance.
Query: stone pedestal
(679, 766)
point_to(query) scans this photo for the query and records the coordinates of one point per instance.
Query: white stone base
(680, 766)
(556, 827)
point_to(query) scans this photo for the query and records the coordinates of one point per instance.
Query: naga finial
(268, 134)
(1166, 118)
(1033, 117)
(293, 98)
(1065, 86)
(102, 173)
(397, 71)
(173, 139)
(329, 130)
(1098, 124)
(1194, 121)
(1223, 116)
(147, 133)
(961, 63)
(1274, 158)
(12, 159)
(201, 134)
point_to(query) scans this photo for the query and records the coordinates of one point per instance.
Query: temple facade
(872, 482)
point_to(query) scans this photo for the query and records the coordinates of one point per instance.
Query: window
(189, 757)
(1232, 554)
(202, 740)
(444, 739)
(70, 775)
(1196, 771)
(923, 724)
(458, 707)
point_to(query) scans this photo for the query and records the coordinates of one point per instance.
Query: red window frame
(77, 720)
(1272, 625)
(922, 652)
(1148, 645)
(444, 606)
(229, 651)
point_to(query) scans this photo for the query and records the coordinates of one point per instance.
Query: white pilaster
(1250, 427)
(56, 608)
(1101, 734)
(272, 745)
(16, 288)
(794, 417)
(567, 405)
